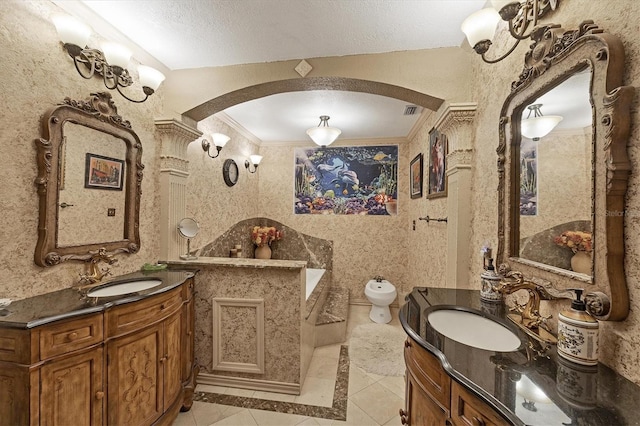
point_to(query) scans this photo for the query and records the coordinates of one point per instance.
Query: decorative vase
(581, 262)
(263, 252)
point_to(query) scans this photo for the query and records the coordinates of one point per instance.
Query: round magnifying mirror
(188, 228)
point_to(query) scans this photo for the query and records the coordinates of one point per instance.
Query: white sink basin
(473, 330)
(119, 289)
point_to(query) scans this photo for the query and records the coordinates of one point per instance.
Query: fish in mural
(324, 168)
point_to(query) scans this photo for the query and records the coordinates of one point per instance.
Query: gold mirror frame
(554, 56)
(98, 113)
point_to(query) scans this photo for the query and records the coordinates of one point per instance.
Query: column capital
(175, 138)
(456, 121)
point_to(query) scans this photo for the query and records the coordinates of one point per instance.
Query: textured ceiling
(227, 32)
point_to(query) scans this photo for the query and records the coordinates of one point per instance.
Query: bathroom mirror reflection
(580, 177)
(90, 212)
(556, 177)
(89, 182)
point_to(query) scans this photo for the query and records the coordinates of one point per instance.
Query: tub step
(331, 326)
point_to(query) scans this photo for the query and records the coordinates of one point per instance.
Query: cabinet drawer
(134, 316)
(68, 336)
(16, 344)
(428, 371)
(468, 409)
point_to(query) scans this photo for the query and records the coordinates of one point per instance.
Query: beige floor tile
(271, 418)
(315, 421)
(247, 393)
(185, 419)
(394, 422)
(310, 422)
(395, 384)
(272, 396)
(211, 388)
(205, 413)
(317, 392)
(328, 351)
(355, 417)
(386, 404)
(323, 368)
(358, 379)
(242, 418)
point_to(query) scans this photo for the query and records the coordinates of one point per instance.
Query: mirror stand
(188, 228)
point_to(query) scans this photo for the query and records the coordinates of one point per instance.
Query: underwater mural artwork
(346, 180)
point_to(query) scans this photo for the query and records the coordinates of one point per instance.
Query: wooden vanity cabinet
(132, 364)
(432, 398)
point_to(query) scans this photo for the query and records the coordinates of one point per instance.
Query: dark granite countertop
(525, 387)
(68, 303)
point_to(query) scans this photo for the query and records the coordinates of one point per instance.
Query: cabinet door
(172, 358)
(422, 409)
(135, 379)
(71, 390)
(188, 344)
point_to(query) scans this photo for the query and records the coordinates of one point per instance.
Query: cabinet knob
(162, 306)
(99, 395)
(407, 344)
(72, 336)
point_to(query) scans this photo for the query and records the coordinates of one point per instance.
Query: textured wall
(618, 341)
(214, 205)
(36, 74)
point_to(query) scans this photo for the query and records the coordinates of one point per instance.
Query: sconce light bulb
(150, 77)
(71, 31)
(480, 25)
(255, 159)
(220, 140)
(116, 55)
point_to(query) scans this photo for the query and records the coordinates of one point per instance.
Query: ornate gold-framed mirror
(89, 182)
(558, 58)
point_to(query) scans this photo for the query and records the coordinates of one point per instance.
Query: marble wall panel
(277, 287)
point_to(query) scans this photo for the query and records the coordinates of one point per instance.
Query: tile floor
(372, 400)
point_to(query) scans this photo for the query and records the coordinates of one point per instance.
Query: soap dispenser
(578, 333)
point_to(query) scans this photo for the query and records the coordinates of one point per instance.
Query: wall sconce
(323, 135)
(539, 125)
(219, 141)
(480, 27)
(253, 160)
(111, 63)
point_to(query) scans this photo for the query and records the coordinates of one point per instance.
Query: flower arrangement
(265, 235)
(575, 240)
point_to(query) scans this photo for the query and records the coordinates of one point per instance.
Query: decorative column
(456, 123)
(174, 171)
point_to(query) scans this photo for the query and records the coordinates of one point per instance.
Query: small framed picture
(415, 176)
(103, 172)
(437, 164)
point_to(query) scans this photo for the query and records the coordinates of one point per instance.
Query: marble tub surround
(250, 332)
(576, 394)
(63, 304)
(294, 245)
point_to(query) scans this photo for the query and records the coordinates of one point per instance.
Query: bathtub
(313, 278)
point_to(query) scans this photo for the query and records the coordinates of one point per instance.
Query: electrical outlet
(111, 212)
(414, 225)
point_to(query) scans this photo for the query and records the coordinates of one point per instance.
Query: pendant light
(539, 125)
(323, 135)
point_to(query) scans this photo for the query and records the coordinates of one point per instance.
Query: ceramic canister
(578, 334)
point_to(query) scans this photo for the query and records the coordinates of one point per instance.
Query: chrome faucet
(95, 273)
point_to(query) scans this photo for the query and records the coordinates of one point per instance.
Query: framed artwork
(103, 172)
(415, 176)
(437, 164)
(351, 180)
